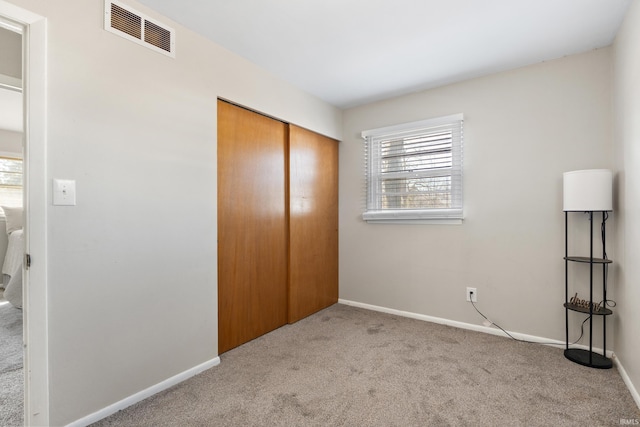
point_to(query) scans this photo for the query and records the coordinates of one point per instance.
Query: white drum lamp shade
(588, 190)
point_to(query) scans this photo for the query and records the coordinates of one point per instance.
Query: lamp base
(588, 358)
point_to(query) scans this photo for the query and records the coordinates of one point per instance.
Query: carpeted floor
(346, 366)
(11, 372)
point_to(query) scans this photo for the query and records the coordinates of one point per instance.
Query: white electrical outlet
(472, 294)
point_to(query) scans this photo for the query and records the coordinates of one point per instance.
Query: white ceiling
(350, 52)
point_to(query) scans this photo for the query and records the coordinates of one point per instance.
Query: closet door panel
(252, 227)
(313, 222)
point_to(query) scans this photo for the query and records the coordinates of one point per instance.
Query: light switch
(64, 192)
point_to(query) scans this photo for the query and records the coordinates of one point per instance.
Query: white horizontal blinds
(10, 182)
(415, 169)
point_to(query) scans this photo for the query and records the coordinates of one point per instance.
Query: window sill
(443, 217)
(433, 221)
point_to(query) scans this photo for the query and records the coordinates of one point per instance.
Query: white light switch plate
(64, 192)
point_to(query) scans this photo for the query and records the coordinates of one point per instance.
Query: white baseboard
(141, 395)
(627, 381)
(469, 326)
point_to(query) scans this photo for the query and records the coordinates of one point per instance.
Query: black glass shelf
(602, 312)
(587, 260)
(582, 357)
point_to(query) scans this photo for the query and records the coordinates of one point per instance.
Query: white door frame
(36, 317)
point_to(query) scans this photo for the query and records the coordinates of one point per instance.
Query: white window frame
(374, 212)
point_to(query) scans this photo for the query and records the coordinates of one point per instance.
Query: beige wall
(627, 160)
(10, 53)
(11, 115)
(523, 129)
(132, 273)
(10, 142)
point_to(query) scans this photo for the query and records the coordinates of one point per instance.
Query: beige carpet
(11, 371)
(346, 366)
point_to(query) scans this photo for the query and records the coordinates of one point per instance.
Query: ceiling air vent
(126, 22)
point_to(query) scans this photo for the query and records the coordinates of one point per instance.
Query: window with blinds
(10, 182)
(414, 171)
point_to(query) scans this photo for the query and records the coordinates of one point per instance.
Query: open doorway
(35, 319)
(11, 224)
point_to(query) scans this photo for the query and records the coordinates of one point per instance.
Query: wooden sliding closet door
(313, 235)
(252, 225)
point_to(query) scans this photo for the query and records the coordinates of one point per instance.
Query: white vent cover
(126, 22)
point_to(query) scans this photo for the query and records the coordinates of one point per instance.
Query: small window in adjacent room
(414, 171)
(10, 182)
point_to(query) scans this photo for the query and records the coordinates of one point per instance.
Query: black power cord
(608, 302)
(525, 341)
